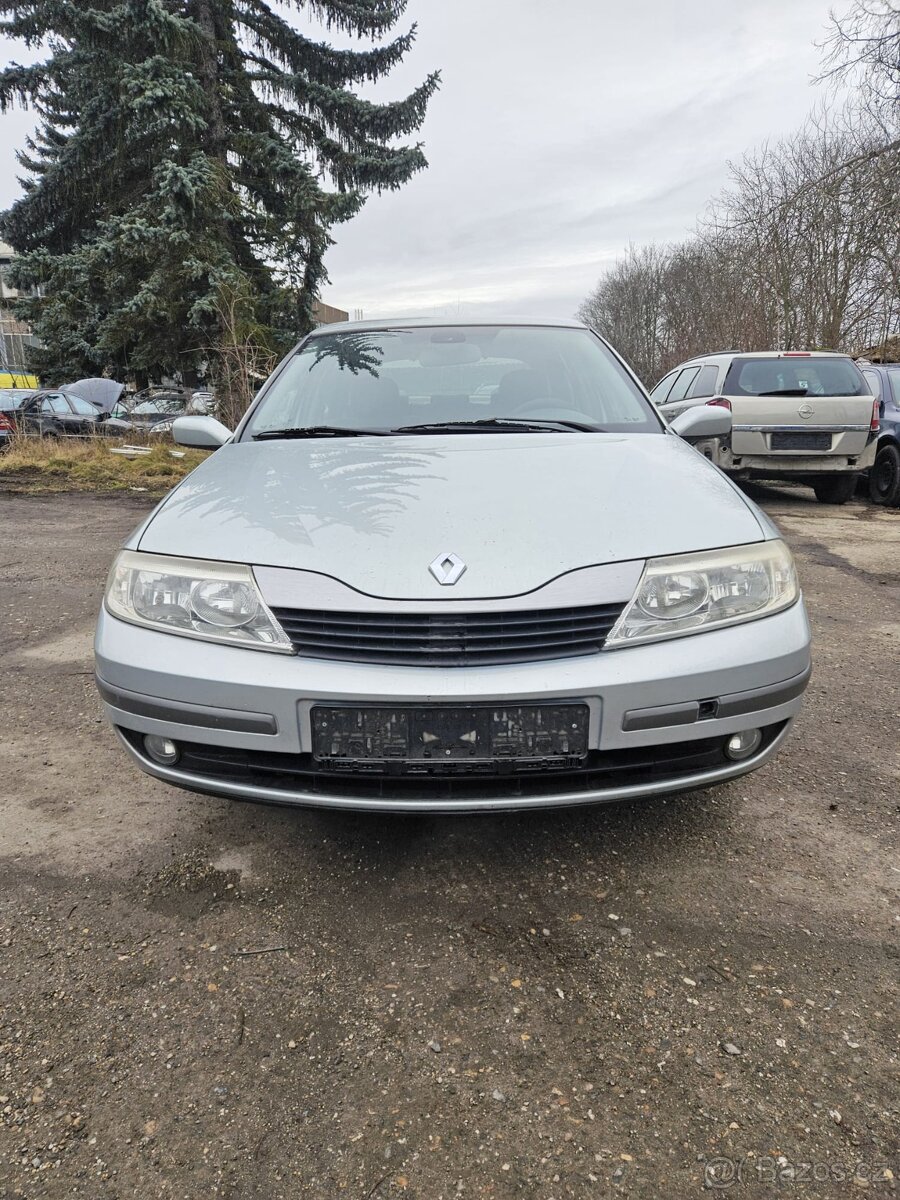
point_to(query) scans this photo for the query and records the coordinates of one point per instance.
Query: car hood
(102, 393)
(519, 509)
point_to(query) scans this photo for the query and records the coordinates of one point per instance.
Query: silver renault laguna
(450, 567)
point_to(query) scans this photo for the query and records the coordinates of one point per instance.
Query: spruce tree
(190, 161)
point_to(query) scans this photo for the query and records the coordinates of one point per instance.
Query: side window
(894, 377)
(682, 383)
(82, 407)
(705, 383)
(659, 393)
(54, 404)
(873, 379)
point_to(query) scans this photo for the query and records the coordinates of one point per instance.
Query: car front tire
(884, 477)
(834, 490)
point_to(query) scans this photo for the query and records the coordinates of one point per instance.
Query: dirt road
(208, 999)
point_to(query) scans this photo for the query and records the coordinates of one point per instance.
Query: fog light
(742, 745)
(161, 750)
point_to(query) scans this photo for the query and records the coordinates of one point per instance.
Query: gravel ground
(201, 998)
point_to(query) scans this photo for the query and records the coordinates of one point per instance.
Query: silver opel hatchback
(448, 567)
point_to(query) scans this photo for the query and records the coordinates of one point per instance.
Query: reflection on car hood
(519, 509)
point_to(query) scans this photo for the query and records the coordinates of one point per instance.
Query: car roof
(442, 323)
(729, 355)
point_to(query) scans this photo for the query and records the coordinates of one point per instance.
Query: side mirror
(702, 421)
(201, 433)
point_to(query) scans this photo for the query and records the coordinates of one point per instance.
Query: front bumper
(687, 692)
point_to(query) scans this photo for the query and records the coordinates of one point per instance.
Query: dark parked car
(60, 414)
(11, 399)
(884, 475)
(103, 393)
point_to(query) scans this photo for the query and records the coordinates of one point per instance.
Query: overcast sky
(563, 130)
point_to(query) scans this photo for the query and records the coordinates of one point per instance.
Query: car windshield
(795, 377)
(161, 404)
(453, 376)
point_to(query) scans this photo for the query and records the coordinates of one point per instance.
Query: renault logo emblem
(447, 569)
(806, 411)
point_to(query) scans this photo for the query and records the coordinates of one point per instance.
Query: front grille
(448, 639)
(599, 770)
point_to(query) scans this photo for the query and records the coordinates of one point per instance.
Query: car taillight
(796, 354)
(719, 402)
(6, 423)
(875, 423)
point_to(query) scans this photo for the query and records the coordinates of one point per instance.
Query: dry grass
(38, 465)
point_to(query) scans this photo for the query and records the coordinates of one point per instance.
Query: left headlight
(691, 593)
(217, 602)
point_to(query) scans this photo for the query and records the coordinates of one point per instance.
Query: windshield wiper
(512, 424)
(786, 392)
(316, 431)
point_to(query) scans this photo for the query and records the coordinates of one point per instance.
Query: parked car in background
(104, 394)
(884, 474)
(7, 430)
(60, 414)
(163, 429)
(397, 586)
(11, 399)
(160, 408)
(803, 415)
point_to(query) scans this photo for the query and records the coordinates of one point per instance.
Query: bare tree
(801, 250)
(626, 307)
(819, 234)
(243, 356)
(863, 47)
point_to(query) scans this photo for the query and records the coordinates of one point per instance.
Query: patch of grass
(41, 465)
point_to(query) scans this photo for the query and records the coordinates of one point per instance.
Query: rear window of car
(795, 377)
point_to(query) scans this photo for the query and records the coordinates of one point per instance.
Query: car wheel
(884, 477)
(834, 490)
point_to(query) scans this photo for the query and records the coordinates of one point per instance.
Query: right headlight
(212, 601)
(691, 593)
